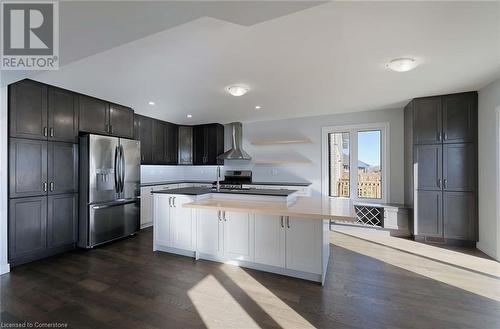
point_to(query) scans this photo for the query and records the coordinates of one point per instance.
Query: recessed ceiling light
(151, 103)
(189, 116)
(258, 107)
(402, 64)
(237, 90)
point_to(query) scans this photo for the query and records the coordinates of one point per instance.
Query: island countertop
(304, 207)
(206, 190)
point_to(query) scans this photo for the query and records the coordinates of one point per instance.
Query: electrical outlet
(274, 172)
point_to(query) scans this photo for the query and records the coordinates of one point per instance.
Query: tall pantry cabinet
(441, 167)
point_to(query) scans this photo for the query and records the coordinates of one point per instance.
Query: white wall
(4, 266)
(309, 127)
(489, 196)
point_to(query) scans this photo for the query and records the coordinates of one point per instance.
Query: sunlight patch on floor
(472, 262)
(276, 308)
(218, 308)
(476, 283)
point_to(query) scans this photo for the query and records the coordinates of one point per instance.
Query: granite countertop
(204, 190)
(304, 184)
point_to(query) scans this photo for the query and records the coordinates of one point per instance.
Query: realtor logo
(30, 35)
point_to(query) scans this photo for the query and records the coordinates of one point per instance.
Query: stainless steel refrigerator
(109, 189)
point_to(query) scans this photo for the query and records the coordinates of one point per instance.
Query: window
(369, 165)
(355, 165)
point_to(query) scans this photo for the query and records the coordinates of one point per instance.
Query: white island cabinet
(174, 226)
(246, 233)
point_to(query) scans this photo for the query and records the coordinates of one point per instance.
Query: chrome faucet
(218, 179)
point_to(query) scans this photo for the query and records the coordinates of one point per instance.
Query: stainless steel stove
(235, 179)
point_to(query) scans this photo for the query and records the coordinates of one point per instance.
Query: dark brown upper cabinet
(100, 117)
(121, 121)
(459, 118)
(63, 115)
(27, 168)
(28, 110)
(171, 143)
(159, 140)
(143, 131)
(208, 144)
(63, 168)
(93, 115)
(427, 119)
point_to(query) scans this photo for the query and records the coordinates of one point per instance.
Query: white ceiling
(298, 61)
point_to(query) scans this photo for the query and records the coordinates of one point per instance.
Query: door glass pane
(339, 164)
(369, 164)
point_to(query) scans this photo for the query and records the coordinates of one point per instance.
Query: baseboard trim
(487, 250)
(4, 268)
(146, 225)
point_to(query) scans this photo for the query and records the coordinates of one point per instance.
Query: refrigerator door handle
(117, 182)
(122, 167)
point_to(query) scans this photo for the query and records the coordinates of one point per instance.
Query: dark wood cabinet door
(63, 167)
(62, 115)
(27, 226)
(121, 121)
(93, 115)
(459, 118)
(159, 138)
(27, 167)
(171, 143)
(428, 167)
(428, 213)
(28, 110)
(215, 145)
(427, 120)
(61, 219)
(144, 133)
(199, 149)
(460, 215)
(459, 169)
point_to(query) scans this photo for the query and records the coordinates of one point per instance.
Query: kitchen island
(268, 230)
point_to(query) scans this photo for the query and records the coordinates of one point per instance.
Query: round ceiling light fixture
(151, 103)
(403, 64)
(189, 116)
(258, 107)
(237, 90)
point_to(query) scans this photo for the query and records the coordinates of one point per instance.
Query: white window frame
(384, 128)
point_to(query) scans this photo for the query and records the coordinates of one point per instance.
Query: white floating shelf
(281, 141)
(269, 162)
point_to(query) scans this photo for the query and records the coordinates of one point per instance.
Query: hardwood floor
(126, 285)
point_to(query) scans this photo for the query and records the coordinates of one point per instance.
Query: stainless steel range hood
(236, 152)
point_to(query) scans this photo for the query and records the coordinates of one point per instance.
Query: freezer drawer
(114, 220)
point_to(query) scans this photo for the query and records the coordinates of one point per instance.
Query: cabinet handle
(288, 221)
(445, 136)
(44, 186)
(281, 221)
(439, 136)
(51, 186)
(218, 215)
(444, 183)
(439, 182)
(110, 129)
(52, 132)
(45, 131)
(170, 202)
(173, 201)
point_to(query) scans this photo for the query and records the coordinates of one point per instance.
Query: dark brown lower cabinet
(459, 213)
(41, 226)
(429, 212)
